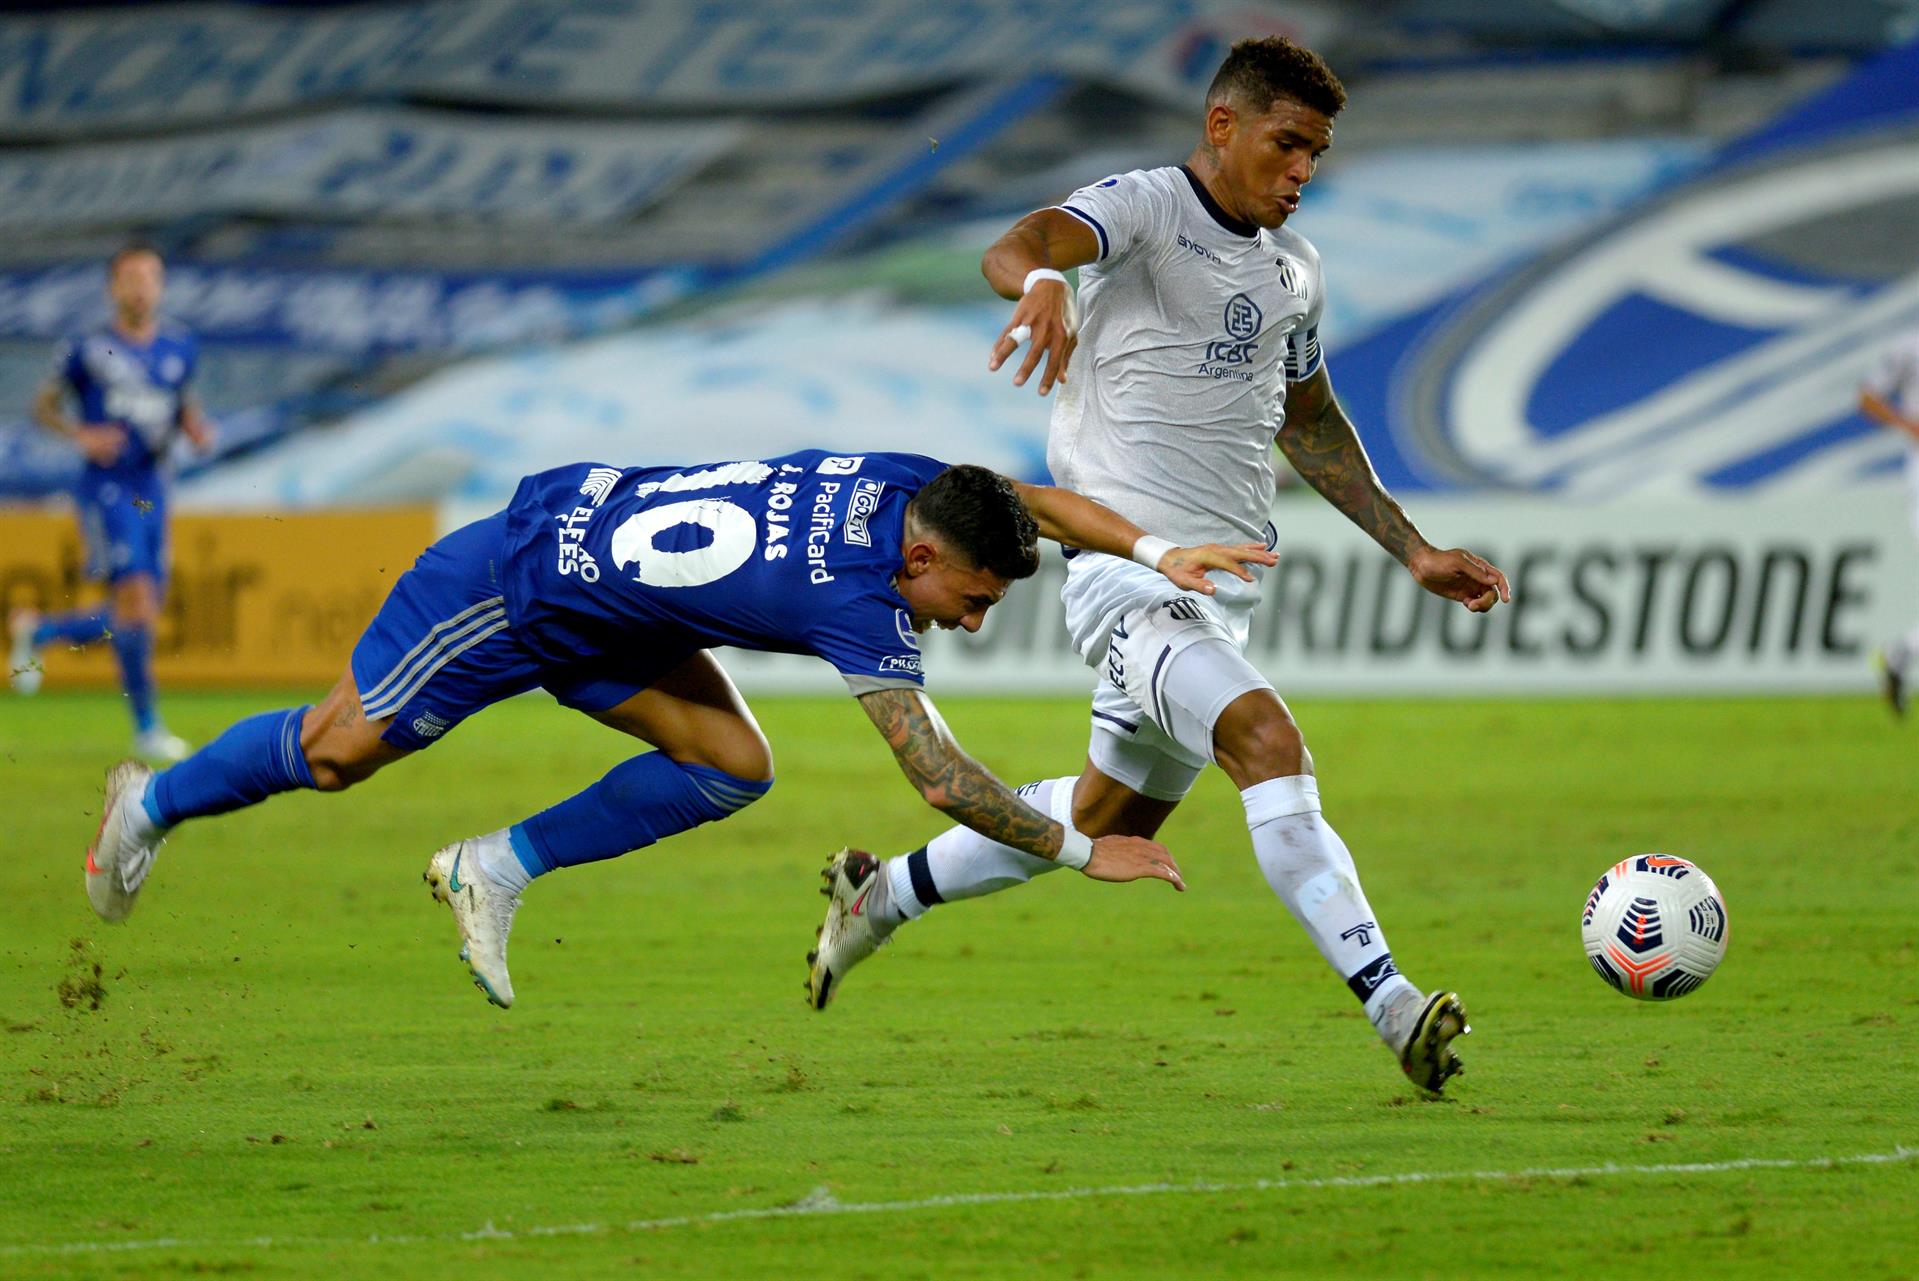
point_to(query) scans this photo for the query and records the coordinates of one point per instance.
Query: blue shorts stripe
(487, 625)
(1152, 685)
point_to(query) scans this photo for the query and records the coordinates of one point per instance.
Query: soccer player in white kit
(1890, 396)
(1199, 350)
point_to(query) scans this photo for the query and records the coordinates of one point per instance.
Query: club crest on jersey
(599, 483)
(904, 622)
(1224, 356)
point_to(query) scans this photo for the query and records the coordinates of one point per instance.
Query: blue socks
(133, 648)
(251, 761)
(640, 801)
(75, 627)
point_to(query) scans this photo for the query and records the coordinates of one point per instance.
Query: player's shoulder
(173, 334)
(1137, 183)
(1291, 243)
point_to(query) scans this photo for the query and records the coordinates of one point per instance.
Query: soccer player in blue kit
(129, 379)
(608, 587)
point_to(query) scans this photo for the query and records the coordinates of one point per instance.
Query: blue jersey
(138, 387)
(794, 555)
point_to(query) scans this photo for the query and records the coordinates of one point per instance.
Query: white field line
(822, 1202)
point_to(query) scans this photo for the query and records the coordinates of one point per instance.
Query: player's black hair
(1257, 72)
(978, 514)
(128, 250)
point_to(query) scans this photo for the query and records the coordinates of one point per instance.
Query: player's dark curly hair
(1257, 72)
(978, 514)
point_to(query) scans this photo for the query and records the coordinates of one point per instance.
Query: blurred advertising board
(264, 599)
(1786, 593)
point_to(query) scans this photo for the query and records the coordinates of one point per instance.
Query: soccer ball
(1655, 927)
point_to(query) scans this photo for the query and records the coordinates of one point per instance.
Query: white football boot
(1427, 1057)
(158, 744)
(122, 852)
(848, 936)
(24, 672)
(482, 908)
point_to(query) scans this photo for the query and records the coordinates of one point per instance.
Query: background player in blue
(129, 381)
(607, 586)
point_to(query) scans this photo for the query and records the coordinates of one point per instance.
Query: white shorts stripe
(422, 669)
(431, 639)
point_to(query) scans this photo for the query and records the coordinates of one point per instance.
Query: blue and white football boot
(482, 908)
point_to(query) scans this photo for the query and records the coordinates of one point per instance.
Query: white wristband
(1041, 273)
(1148, 550)
(1076, 851)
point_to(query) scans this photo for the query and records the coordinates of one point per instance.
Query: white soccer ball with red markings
(1655, 927)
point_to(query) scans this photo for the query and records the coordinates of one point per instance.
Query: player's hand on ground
(1187, 567)
(1132, 858)
(1042, 313)
(99, 442)
(1459, 575)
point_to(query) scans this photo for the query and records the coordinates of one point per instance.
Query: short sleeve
(872, 645)
(1124, 211)
(1303, 354)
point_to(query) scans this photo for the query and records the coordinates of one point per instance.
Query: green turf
(284, 1046)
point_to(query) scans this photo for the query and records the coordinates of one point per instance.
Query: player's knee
(1256, 739)
(334, 770)
(743, 755)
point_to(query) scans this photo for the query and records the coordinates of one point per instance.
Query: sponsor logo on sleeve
(907, 664)
(904, 622)
(835, 466)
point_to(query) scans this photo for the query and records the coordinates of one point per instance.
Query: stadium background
(1603, 279)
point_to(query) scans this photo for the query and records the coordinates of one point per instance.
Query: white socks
(960, 863)
(1310, 869)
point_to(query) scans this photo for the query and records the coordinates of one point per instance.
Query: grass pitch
(278, 1068)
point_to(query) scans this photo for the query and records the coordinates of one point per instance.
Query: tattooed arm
(1321, 444)
(966, 791)
(953, 782)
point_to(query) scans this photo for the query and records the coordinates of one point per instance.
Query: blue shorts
(441, 648)
(125, 533)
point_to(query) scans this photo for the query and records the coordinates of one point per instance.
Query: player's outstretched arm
(1078, 521)
(1044, 240)
(1323, 447)
(195, 423)
(964, 790)
(1879, 409)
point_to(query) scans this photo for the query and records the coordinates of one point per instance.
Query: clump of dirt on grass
(83, 986)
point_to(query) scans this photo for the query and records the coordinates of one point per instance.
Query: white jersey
(1194, 324)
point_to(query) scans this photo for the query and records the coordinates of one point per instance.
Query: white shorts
(1169, 661)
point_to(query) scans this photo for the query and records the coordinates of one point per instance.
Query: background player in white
(128, 380)
(1199, 350)
(1891, 397)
